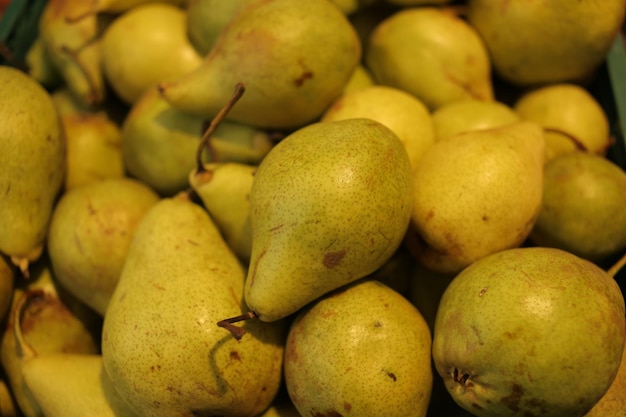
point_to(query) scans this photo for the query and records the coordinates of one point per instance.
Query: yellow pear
(431, 53)
(467, 195)
(400, 111)
(465, 115)
(145, 45)
(572, 118)
(32, 156)
(532, 43)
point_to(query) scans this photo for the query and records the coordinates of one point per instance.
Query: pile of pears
(256, 208)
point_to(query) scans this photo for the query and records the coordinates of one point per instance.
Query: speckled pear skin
(529, 331)
(329, 204)
(161, 345)
(362, 350)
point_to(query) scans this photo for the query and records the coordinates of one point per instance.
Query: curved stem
(204, 141)
(617, 266)
(579, 145)
(236, 331)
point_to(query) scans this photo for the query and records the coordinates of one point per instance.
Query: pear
(329, 204)
(224, 189)
(73, 385)
(206, 19)
(274, 49)
(583, 207)
(32, 156)
(160, 49)
(349, 7)
(407, 116)
(94, 149)
(360, 78)
(71, 36)
(466, 195)
(43, 319)
(573, 119)
(465, 115)
(66, 101)
(514, 328)
(7, 282)
(541, 43)
(41, 66)
(431, 53)
(613, 402)
(159, 143)
(90, 233)
(161, 347)
(345, 338)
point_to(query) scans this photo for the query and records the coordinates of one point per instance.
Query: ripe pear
(467, 199)
(32, 156)
(206, 19)
(573, 119)
(407, 116)
(329, 204)
(542, 42)
(583, 206)
(159, 143)
(613, 402)
(274, 48)
(361, 350)
(431, 53)
(224, 189)
(73, 385)
(90, 233)
(145, 45)
(465, 115)
(529, 331)
(94, 149)
(161, 347)
(70, 34)
(43, 319)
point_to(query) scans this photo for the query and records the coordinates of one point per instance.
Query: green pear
(32, 156)
(43, 319)
(329, 204)
(467, 199)
(159, 143)
(145, 45)
(360, 78)
(542, 42)
(161, 346)
(70, 34)
(73, 385)
(224, 189)
(613, 402)
(206, 19)
(529, 331)
(41, 66)
(7, 282)
(94, 149)
(431, 53)
(465, 115)
(583, 206)
(572, 118)
(90, 233)
(362, 350)
(292, 66)
(407, 116)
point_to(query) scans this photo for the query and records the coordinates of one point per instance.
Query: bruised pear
(529, 331)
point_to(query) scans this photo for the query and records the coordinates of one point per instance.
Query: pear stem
(236, 331)
(615, 268)
(204, 140)
(579, 145)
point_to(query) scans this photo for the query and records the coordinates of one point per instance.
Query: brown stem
(579, 145)
(617, 266)
(204, 141)
(236, 331)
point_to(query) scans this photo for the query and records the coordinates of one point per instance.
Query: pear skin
(32, 156)
(274, 48)
(311, 231)
(206, 19)
(467, 199)
(161, 346)
(513, 329)
(346, 337)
